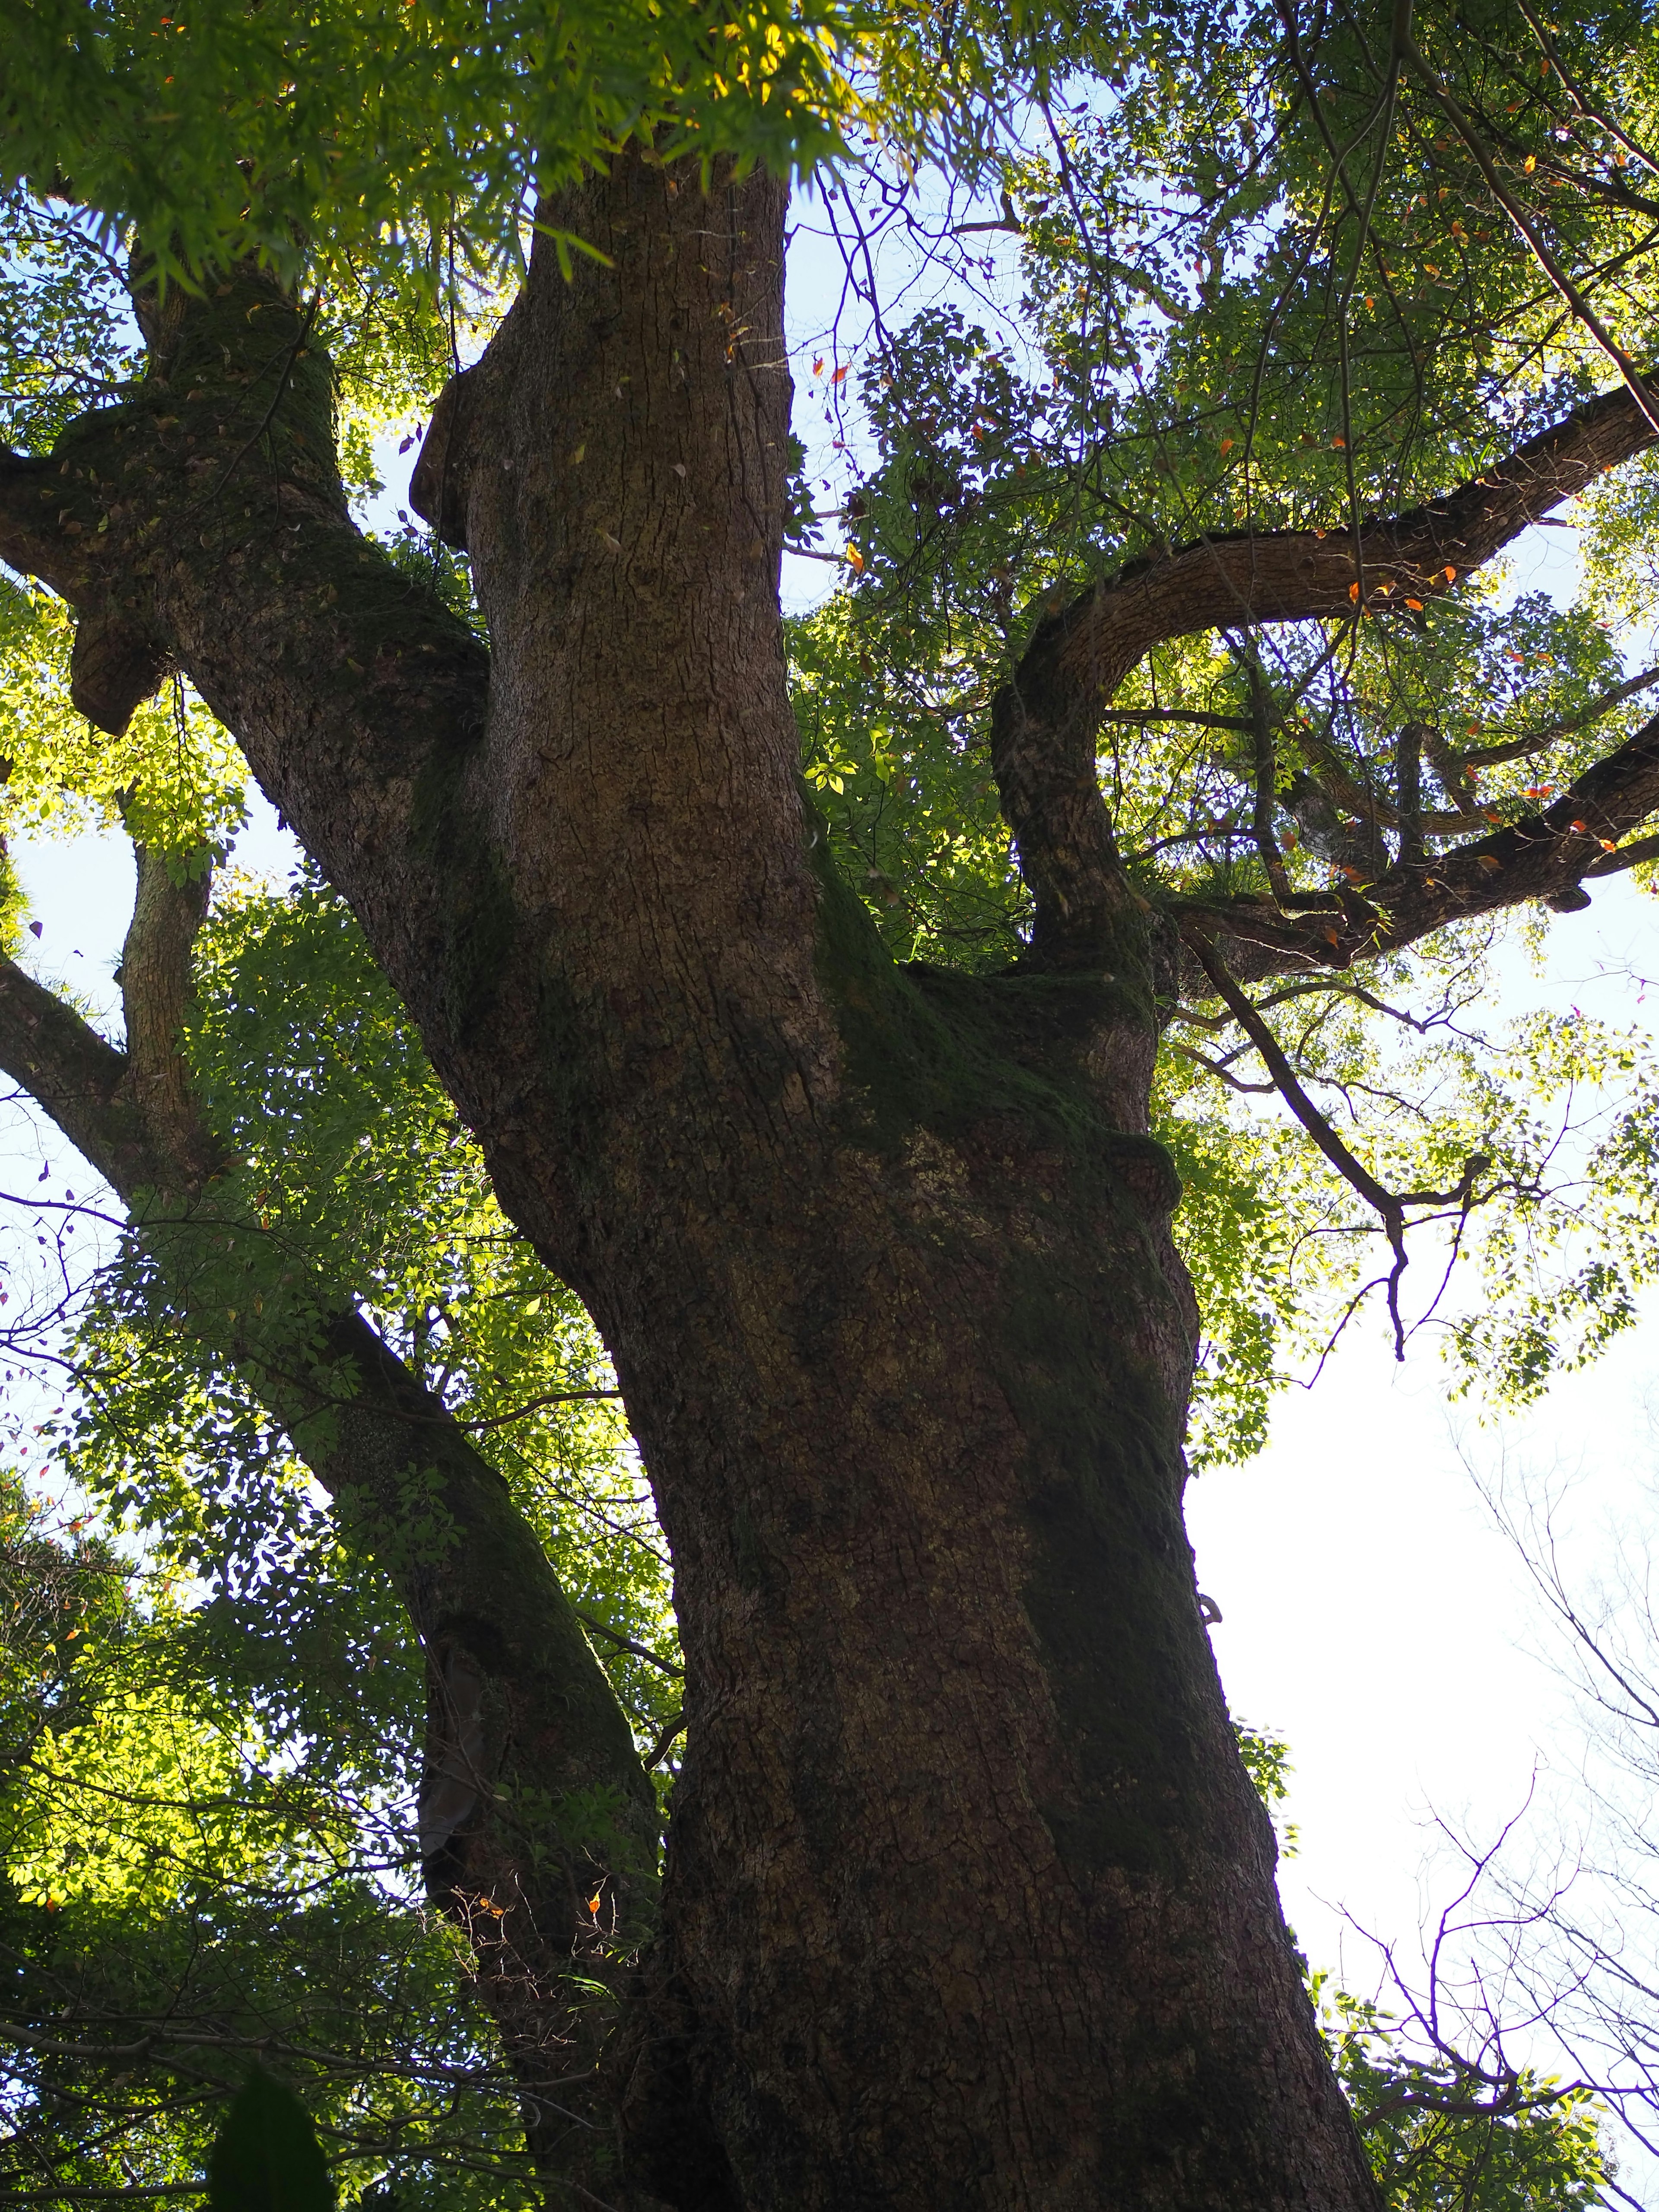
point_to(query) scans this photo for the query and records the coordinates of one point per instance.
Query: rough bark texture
(517, 1704)
(969, 1903)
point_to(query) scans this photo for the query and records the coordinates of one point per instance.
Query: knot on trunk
(115, 665)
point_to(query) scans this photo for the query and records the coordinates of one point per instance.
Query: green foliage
(1445, 2132)
(1444, 2135)
(1268, 1762)
(140, 1904)
(350, 1166)
(174, 781)
(378, 133)
(65, 336)
(210, 1826)
(266, 2157)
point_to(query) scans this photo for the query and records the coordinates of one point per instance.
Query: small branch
(626, 1642)
(1411, 53)
(1518, 748)
(1267, 775)
(534, 1406)
(1408, 772)
(654, 1757)
(1387, 1205)
(1627, 856)
(1215, 1067)
(1138, 715)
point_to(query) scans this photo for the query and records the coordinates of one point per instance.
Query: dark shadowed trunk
(969, 1901)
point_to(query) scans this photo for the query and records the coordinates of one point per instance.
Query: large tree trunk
(969, 1902)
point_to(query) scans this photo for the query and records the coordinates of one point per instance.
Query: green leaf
(267, 2158)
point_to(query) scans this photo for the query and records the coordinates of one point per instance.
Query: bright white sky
(1372, 1613)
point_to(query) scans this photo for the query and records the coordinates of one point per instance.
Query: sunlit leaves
(1444, 2133)
(174, 781)
(373, 131)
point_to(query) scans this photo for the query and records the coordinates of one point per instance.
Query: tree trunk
(968, 1900)
(968, 1897)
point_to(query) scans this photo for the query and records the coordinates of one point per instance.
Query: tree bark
(968, 1900)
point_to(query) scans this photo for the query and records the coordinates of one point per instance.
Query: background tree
(966, 1888)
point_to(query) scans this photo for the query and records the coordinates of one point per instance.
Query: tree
(966, 1895)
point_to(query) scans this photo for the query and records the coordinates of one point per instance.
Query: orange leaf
(1606, 844)
(593, 1904)
(839, 375)
(817, 366)
(1450, 574)
(1582, 827)
(1353, 591)
(1338, 440)
(1226, 446)
(1416, 605)
(855, 560)
(1488, 862)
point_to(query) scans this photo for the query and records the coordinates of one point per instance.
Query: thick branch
(1045, 721)
(1543, 857)
(516, 1701)
(203, 523)
(167, 911)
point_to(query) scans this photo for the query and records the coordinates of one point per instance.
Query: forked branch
(1046, 719)
(1390, 1205)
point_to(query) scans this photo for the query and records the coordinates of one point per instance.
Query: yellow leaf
(855, 560)
(1530, 163)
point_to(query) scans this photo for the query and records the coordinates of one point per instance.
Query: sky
(1373, 1614)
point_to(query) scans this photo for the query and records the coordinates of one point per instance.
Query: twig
(535, 1406)
(1389, 1205)
(626, 1642)
(1412, 54)
(654, 1757)
(270, 416)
